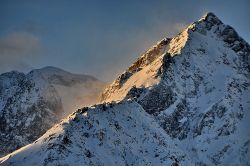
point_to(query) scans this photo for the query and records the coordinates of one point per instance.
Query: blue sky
(99, 37)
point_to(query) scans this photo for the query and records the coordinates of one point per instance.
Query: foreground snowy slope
(184, 102)
(32, 103)
(108, 134)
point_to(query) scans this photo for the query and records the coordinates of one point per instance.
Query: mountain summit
(185, 101)
(199, 38)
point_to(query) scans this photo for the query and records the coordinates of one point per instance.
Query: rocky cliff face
(32, 103)
(184, 102)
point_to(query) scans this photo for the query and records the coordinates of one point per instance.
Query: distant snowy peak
(58, 76)
(32, 103)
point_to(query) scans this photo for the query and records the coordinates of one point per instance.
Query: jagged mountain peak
(203, 71)
(199, 84)
(206, 42)
(206, 22)
(160, 53)
(211, 18)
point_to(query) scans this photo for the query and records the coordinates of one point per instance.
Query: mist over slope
(32, 103)
(183, 102)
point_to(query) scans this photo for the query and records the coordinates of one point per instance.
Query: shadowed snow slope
(119, 134)
(32, 103)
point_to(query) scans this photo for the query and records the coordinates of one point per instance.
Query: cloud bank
(16, 48)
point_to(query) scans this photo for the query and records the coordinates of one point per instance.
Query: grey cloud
(18, 43)
(15, 48)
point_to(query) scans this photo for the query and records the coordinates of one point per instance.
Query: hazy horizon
(99, 38)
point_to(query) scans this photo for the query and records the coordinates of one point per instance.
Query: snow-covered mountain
(186, 101)
(197, 86)
(32, 103)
